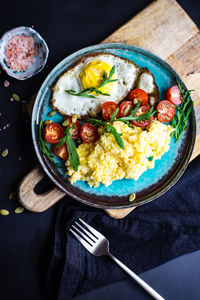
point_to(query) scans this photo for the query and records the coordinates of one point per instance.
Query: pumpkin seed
(65, 123)
(11, 195)
(48, 122)
(75, 117)
(52, 113)
(19, 210)
(67, 163)
(4, 153)
(127, 110)
(92, 113)
(4, 212)
(132, 197)
(15, 97)
(101, 130)
(135, 101)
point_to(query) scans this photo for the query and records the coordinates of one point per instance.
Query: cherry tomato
(108, 108)
(139, 95)
(61, 151)
(125, 108)
(76, 131)
(89, 133)
(140, 112)
(166, 111)
(174, 95)
(53, 132)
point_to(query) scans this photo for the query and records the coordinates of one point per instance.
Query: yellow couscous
(104, 161)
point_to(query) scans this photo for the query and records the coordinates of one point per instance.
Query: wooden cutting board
(165, 29)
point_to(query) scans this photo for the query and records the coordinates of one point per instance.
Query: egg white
(126, 72)
(146, 82)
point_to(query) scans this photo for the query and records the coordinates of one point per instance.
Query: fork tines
(86, 234)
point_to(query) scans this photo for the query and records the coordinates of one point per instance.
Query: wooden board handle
(119, 213)
(32, 201)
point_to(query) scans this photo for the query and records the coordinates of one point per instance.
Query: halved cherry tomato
(53, 132)
(140, 112)
(89, 133)
(76, 131)
(61, 151)
(108, 108)
(125, 108)
(166, 111)
(139, 95)
(174, 95)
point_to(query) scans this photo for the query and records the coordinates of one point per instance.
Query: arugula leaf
(71, 148)
(117, 136)
(61, 142)
(150, 158)
(189, 111)
(179, 122)
(114, 115)
(146, 116)
(107, 80)
(109, 128)
(44, 147)
(96, 122)
(85, 92)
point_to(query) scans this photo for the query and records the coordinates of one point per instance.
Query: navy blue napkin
(151, 235)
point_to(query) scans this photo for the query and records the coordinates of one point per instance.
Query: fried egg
(89, 72)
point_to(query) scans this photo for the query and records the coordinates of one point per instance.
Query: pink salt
(20, 52)
(6, 83)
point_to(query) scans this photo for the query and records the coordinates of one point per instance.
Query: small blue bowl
(40, 59)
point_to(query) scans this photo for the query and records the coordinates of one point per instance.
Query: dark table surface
(26, 239)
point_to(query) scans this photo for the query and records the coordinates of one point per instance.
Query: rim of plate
(35, 115)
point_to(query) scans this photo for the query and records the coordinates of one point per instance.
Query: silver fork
(98, 245)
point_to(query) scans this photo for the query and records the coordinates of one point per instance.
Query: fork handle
(141, 282)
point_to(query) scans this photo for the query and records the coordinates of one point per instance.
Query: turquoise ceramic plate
(153, 182)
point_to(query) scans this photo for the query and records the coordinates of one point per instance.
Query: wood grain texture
(162, 28)
(119, 213)
(165, 29)
(32, 201)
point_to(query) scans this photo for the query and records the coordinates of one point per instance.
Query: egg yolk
(92, 76)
